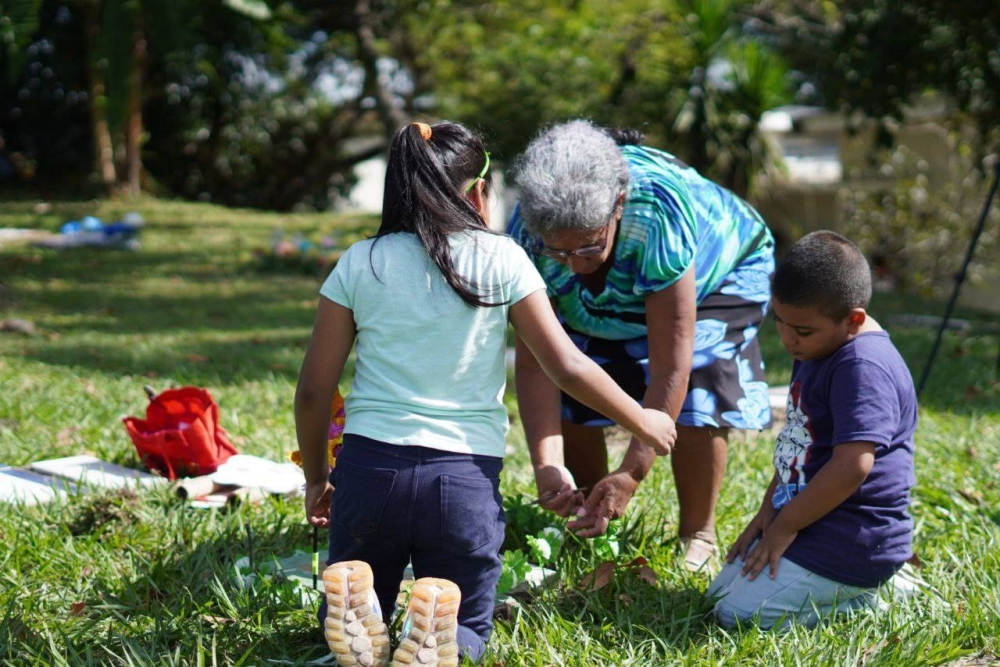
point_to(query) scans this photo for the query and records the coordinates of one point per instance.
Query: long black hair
(425, 195)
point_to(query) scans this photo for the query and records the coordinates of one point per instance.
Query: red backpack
(181, 435)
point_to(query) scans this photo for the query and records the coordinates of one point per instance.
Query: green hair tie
(481, 175)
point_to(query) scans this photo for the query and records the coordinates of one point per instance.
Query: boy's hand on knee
(768, 551)
(317, 501)
(743, 542)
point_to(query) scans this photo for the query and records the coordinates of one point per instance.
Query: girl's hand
(660, 431)
(317, 502)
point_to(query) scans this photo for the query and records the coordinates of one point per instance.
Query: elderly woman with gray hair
(663, 278)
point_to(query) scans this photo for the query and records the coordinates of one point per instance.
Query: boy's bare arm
(833, 484)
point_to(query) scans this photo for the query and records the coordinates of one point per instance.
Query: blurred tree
(261, 114)
(875, 56)
(728, 81)
(118, 51)
(18, 22)
(873, 60)
(683, 72)
(275, 111)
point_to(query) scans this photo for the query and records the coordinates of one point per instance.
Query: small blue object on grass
(90, 231)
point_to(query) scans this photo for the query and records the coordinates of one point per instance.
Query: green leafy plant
(545, 545)
(607, 546)
(515, 568)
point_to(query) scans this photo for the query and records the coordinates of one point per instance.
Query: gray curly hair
(570, 177)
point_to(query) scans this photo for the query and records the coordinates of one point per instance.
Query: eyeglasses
(585, 251)
(482, 174)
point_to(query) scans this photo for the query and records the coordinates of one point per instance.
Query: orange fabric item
(181, 435)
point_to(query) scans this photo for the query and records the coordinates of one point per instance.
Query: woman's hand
(660, 431)
(318, 495)
(556, 489)
(606, 501)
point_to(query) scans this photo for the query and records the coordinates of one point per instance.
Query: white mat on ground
(24, 486)
(91, 471)
(246, 470)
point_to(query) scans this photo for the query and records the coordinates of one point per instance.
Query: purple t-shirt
(861, 392)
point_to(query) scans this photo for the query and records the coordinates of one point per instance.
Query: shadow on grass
(158, 313)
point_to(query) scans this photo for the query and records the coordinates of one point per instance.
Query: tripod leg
(960, 278)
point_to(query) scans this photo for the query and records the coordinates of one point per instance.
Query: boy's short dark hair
(826, 271)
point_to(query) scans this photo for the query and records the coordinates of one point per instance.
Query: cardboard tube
(193, 487)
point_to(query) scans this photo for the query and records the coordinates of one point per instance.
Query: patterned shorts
(727, 388)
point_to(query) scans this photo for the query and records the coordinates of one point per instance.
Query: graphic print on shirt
(791, 451)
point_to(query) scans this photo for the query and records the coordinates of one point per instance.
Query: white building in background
(366, 197)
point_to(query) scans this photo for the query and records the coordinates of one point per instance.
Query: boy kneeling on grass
(834, 523)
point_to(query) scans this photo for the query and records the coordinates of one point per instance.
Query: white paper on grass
(27, 487)
(91, 471)
(254, 471)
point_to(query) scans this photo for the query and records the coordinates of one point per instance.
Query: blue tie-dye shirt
(673, 217)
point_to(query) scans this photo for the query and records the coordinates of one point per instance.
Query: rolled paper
(194, 487)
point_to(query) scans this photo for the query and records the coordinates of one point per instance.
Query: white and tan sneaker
(430, 627)
(354, 629)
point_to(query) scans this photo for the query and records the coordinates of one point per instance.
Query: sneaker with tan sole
(430, 626)
(354, 629)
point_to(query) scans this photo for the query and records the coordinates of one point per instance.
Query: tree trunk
(104, 162)
(133, 130)
(392, 116)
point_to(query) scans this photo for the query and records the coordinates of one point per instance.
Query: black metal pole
(960, 276)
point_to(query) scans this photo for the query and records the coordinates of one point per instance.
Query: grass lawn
(120, 579)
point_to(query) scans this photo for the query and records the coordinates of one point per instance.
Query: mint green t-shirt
(430, 369)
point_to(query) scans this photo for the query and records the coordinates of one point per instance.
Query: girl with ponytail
(427, 302)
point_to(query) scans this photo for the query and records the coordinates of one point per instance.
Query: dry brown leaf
(972, 452)
(600, 577)
(973, 496)
(638, 561)
(625, 600)
(77, 608)
(66, 436)
(217, 620)
(197, 358)
(971, 392)
(647, 575)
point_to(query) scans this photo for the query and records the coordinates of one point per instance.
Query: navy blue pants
(442, 511)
